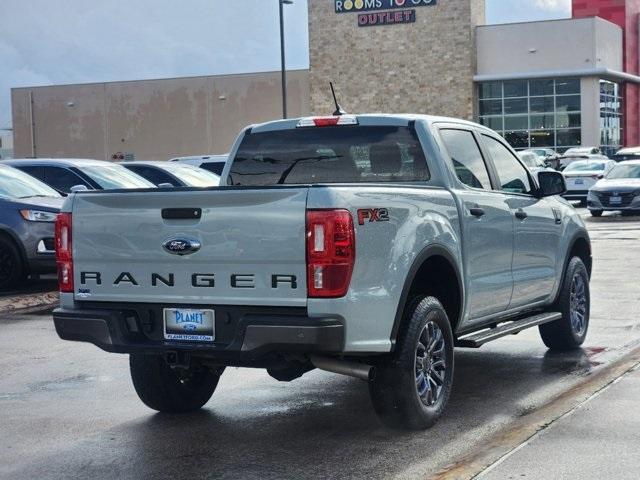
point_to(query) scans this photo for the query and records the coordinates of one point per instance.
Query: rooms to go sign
(346, 6)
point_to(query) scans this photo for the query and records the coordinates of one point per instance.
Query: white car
(576, 154)
(212, 163)
(628, 153)
(581, 175)
(619, 190)
(533, 162)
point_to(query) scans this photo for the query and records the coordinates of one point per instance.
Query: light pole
(282, 57)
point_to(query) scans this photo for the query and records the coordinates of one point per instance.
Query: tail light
(64, 257)
(331, 252)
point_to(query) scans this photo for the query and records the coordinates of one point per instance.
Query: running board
(477, 339)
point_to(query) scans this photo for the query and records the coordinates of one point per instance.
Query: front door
(537, 228)
(487, 228)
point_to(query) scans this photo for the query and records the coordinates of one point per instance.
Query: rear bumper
(242, 335)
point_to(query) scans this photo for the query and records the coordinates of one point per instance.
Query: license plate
(190, 325)
(615, 200)
(579, 181)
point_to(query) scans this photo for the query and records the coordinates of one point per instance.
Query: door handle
(521, 214)
(476, 211)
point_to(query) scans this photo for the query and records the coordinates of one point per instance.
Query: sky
(45, 42)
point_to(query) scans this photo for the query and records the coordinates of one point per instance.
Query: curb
(28, 302)
(503, 442)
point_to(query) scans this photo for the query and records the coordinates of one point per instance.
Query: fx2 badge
(372, 215)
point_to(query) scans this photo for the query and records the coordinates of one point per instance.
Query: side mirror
(551, 183)
(79, 188)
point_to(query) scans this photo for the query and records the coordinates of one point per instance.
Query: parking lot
(68, 410)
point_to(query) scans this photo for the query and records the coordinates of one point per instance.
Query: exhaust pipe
(343, 367)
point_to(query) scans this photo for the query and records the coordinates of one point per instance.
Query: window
(340, 154)
(610, 116)
(153, 174)
(213, 167)
(62, 179)
(37, 172)
(466, 157)
(540, 113)
(513, 176)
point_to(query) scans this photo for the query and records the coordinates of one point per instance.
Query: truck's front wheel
(170, 390)
(412, 388)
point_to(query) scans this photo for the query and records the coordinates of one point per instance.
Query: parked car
(533, 161)
(619, 190)
(212, 163)
(173, 173)
(568, 158)
(63, 174)
(581, 175)
(551, 157)
(28, 210)
(629, 153)
(342, 245)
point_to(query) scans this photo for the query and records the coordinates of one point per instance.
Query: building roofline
(507, 24)
(606, 73)
(111, 82)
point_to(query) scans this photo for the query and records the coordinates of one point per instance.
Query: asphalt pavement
(68, 410)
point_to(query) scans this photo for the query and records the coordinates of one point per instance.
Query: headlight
(38, 216)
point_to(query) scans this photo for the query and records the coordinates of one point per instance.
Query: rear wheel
(574, 303)
(12, 268)
(171, 390)
(411, 389)
(596, 213)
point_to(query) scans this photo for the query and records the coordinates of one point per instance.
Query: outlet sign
(350, 6)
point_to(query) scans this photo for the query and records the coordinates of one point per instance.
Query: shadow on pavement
(323, 427)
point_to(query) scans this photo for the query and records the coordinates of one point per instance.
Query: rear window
(340, 154)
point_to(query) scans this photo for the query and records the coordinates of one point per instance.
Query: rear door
(251, 246)
(487, 225)
(538, 227)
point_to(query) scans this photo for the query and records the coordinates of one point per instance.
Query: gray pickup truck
(367, 245)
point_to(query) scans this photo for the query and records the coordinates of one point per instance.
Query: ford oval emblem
(181, 246)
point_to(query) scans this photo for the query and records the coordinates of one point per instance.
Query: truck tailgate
(252, 247)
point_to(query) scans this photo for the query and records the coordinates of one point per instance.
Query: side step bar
(477, 339)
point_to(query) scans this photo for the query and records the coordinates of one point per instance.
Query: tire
(399, 382)
(170, 390)
(570, 331)
(12, 269)
(595, 213)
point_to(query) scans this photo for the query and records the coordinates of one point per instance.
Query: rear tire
(169, 390)
(412, 388)
(595, 213)
(12, 269)
(570, 331)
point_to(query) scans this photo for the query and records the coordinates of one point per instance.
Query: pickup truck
(365, 245)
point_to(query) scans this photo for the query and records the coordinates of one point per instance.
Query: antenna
(339, 110)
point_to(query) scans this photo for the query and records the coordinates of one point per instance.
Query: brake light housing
(331, 252)
(332, 121)
(64, 255)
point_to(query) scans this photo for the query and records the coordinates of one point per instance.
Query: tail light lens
(64, 258)
(331, 252)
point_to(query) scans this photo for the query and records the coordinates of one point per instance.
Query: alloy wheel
(430, 364)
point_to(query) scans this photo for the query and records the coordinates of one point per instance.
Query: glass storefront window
(515, 105)
(567, 86)
(516, 122)
(490, 107)
(543, 121)
(542, 105)
(515, 88)
(537, 113)
(538, 88)
(610, 116)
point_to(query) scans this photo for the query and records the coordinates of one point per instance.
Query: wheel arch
(447, 285)
(579, 246)
(12, 237)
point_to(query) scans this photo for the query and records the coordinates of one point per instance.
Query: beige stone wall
(151, 119)
(422, 67)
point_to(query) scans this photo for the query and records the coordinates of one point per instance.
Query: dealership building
(557, 84)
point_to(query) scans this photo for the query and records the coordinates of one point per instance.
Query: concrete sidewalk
(600, 439)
